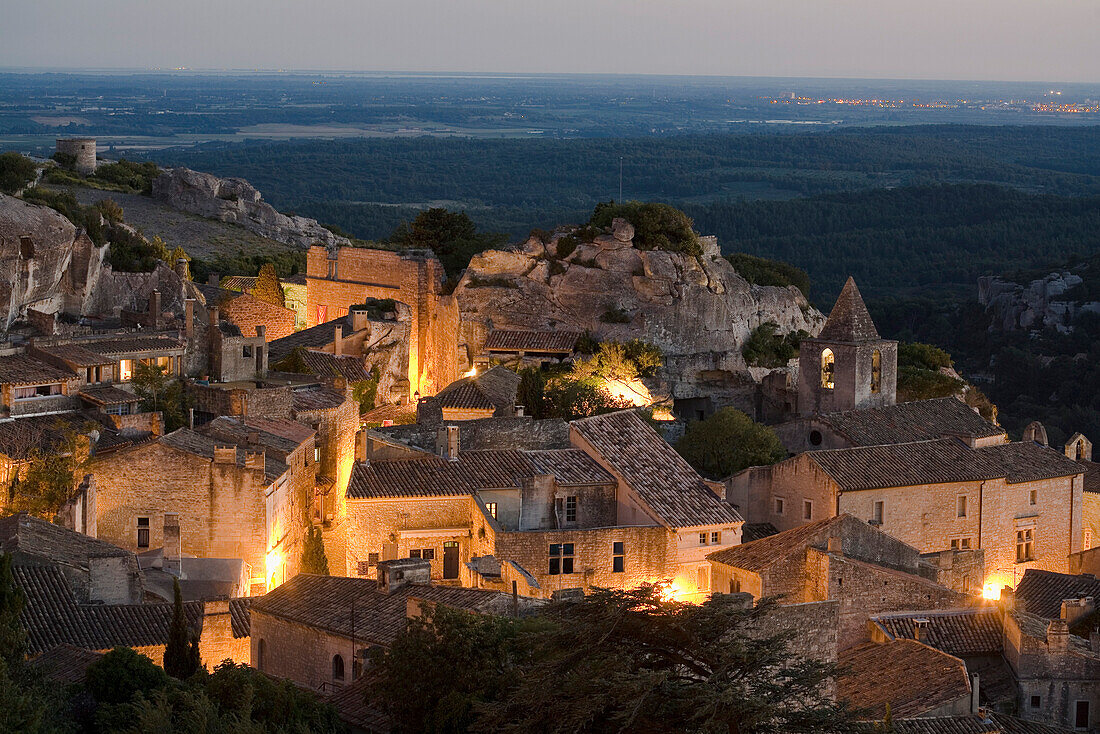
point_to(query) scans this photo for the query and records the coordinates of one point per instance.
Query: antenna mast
(620, 179)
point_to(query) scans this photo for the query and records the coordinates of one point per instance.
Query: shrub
(130, 175)
(761, 271)
(110, 209)
(766, 348)
(566, 245)
(615, 316)
(656, 226)
(16, 171)
(727, 442)
(924, 356)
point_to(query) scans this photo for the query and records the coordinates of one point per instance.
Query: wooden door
(450, 560)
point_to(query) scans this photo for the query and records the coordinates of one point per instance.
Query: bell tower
(848, 365)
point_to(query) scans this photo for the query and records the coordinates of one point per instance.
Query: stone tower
(82, 149)
(848, 365)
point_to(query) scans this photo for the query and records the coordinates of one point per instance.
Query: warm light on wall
(991, 591)
(274, 562)
(472, 372)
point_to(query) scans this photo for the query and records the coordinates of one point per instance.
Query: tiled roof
(322, 398)
(918, 420)
(76, 354)
(912, 678)
(107, 395)
(849, 320)
(315, 337)
(275, 434)
(992, 723)
(961, 632)
(940, 461)
(135, 344)
(395, 413)
(507, 340)
(238, 283)
(751, 531)
(354, 707)
(1092, 475)
(1041, 592)
(327, 603)
(193, 442)
(25, 535)
(240, 618)
(492, 390)
(464, 395)
(19, 369)
(659, 476)
(474, 471)
(65, 664)
(570, 467)
(757, 555)
(330, 365)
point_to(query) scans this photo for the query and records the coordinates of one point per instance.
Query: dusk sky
(1051, 40)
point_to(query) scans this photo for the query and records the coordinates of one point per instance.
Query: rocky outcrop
(1040, 304)
(698, 310)
(236, 201)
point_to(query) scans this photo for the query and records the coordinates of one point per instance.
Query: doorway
(450, 560)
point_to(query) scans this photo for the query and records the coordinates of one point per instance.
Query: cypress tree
(182, 652)
(267, 286)
(314, 559)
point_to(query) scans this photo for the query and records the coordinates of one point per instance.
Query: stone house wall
(1091, 524)
(757, 490)
(1054, 670)
(248, 311)
(851, 376)
(299, 653)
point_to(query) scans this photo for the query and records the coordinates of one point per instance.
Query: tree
(268, 288)
(314, 559)
(13, 638)
(45, 486)
(766, 348)
(160, 392)
(618, 661)
(122, 673)
(452, 236)
(656, 226)
(727, 442)
(16, 172)
(181, 654)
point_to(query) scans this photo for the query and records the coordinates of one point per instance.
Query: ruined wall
(248, 312)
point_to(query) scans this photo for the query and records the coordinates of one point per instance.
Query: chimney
(225, 454)
(836, 545)
(253, 438)
(1057, 635)
(189, 317)
(975, 704)
(920, 630)
(254, 460)
(1074, 609)
(446, 442)
(214, 279)
(519, 411)
(154, 306)
(215, 316)
(261, 331)
(172, 552)
(392, 575)
(338, 340)
(1008, 599)
(181, 268)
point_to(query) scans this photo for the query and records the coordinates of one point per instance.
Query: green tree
(657, 226)
(630, 660)
(267, 288)
(160, 392)
(121, 674)
(314, 559)
(181, 654)
(761, 271)
(46, 485)
(727, 442)
(452, 236)
(766, 348)
(16, 172)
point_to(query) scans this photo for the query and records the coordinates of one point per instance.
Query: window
(1025, 545)
(876, 371)
(715, 538)
(362, 568)
(570, 509)
(372, 559)
(735, 586)
(778, 505)
(125, 370)
(960, 506)
(1033, 497)
(702, 578)
(338, 667)
(246, 350)
(702, 538)
(807, 510)
(966, 584)
(491, 508)
(427, 554)
(960, 544)
(827, 364)
(36, 391)
(618, 556)
(561, 558)
(316, 454)
(878, 513)
(815, 438)
(1081, 715)
(414, 553)
(1036, 702)
(143, 532)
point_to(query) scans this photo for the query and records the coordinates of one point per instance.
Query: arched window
(261, 649)
(337, 667)
(876, 371)
(827, 361)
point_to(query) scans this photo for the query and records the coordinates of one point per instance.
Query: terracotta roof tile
(993, 723)
(325, 364)
(757, 555)
(659, 476)
(65, 664)
(918, 420)
(25, 535)
(961, 632)
(322, 398)
(751, 531)
(492, 390)
(1041, 592)
(19, 369)
(570, 467)
(76, 354)
(912, 678)
(313, 337)
(849, 320)
(354, 707)
(107, 395)
(507, 340)
(122, 345)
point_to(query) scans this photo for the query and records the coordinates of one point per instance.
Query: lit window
(702, 538)
(316, 454)
(125, 370)
(36, 391)
(570, 509)
(960, 506)
(143, 532)
(876, 371)
(1025, 545)
(561, 558)
(879, 512)
(715, 538)
(807, 510)
(618, 556)
(827, 364)
(778, 505)
(491, 508)
(1088, 539)
(966, 584)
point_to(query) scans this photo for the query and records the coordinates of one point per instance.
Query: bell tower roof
(849, 320)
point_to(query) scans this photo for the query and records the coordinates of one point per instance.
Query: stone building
(846, 560)
(247, 312)
(315, 630)
(1021, 503)
(526, 348)
(337, 279)
(848, 365)
(241, 488)
(294, 293)
(82, 150)
(490, 394)
(30, 387)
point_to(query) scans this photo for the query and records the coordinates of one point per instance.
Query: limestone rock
(622, 230)
(1039, 304)
(236, 201)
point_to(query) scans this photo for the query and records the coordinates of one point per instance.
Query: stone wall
(247, 312)
(259, 402)
(299, 653)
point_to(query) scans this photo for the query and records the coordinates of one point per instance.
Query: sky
(1005, 40)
